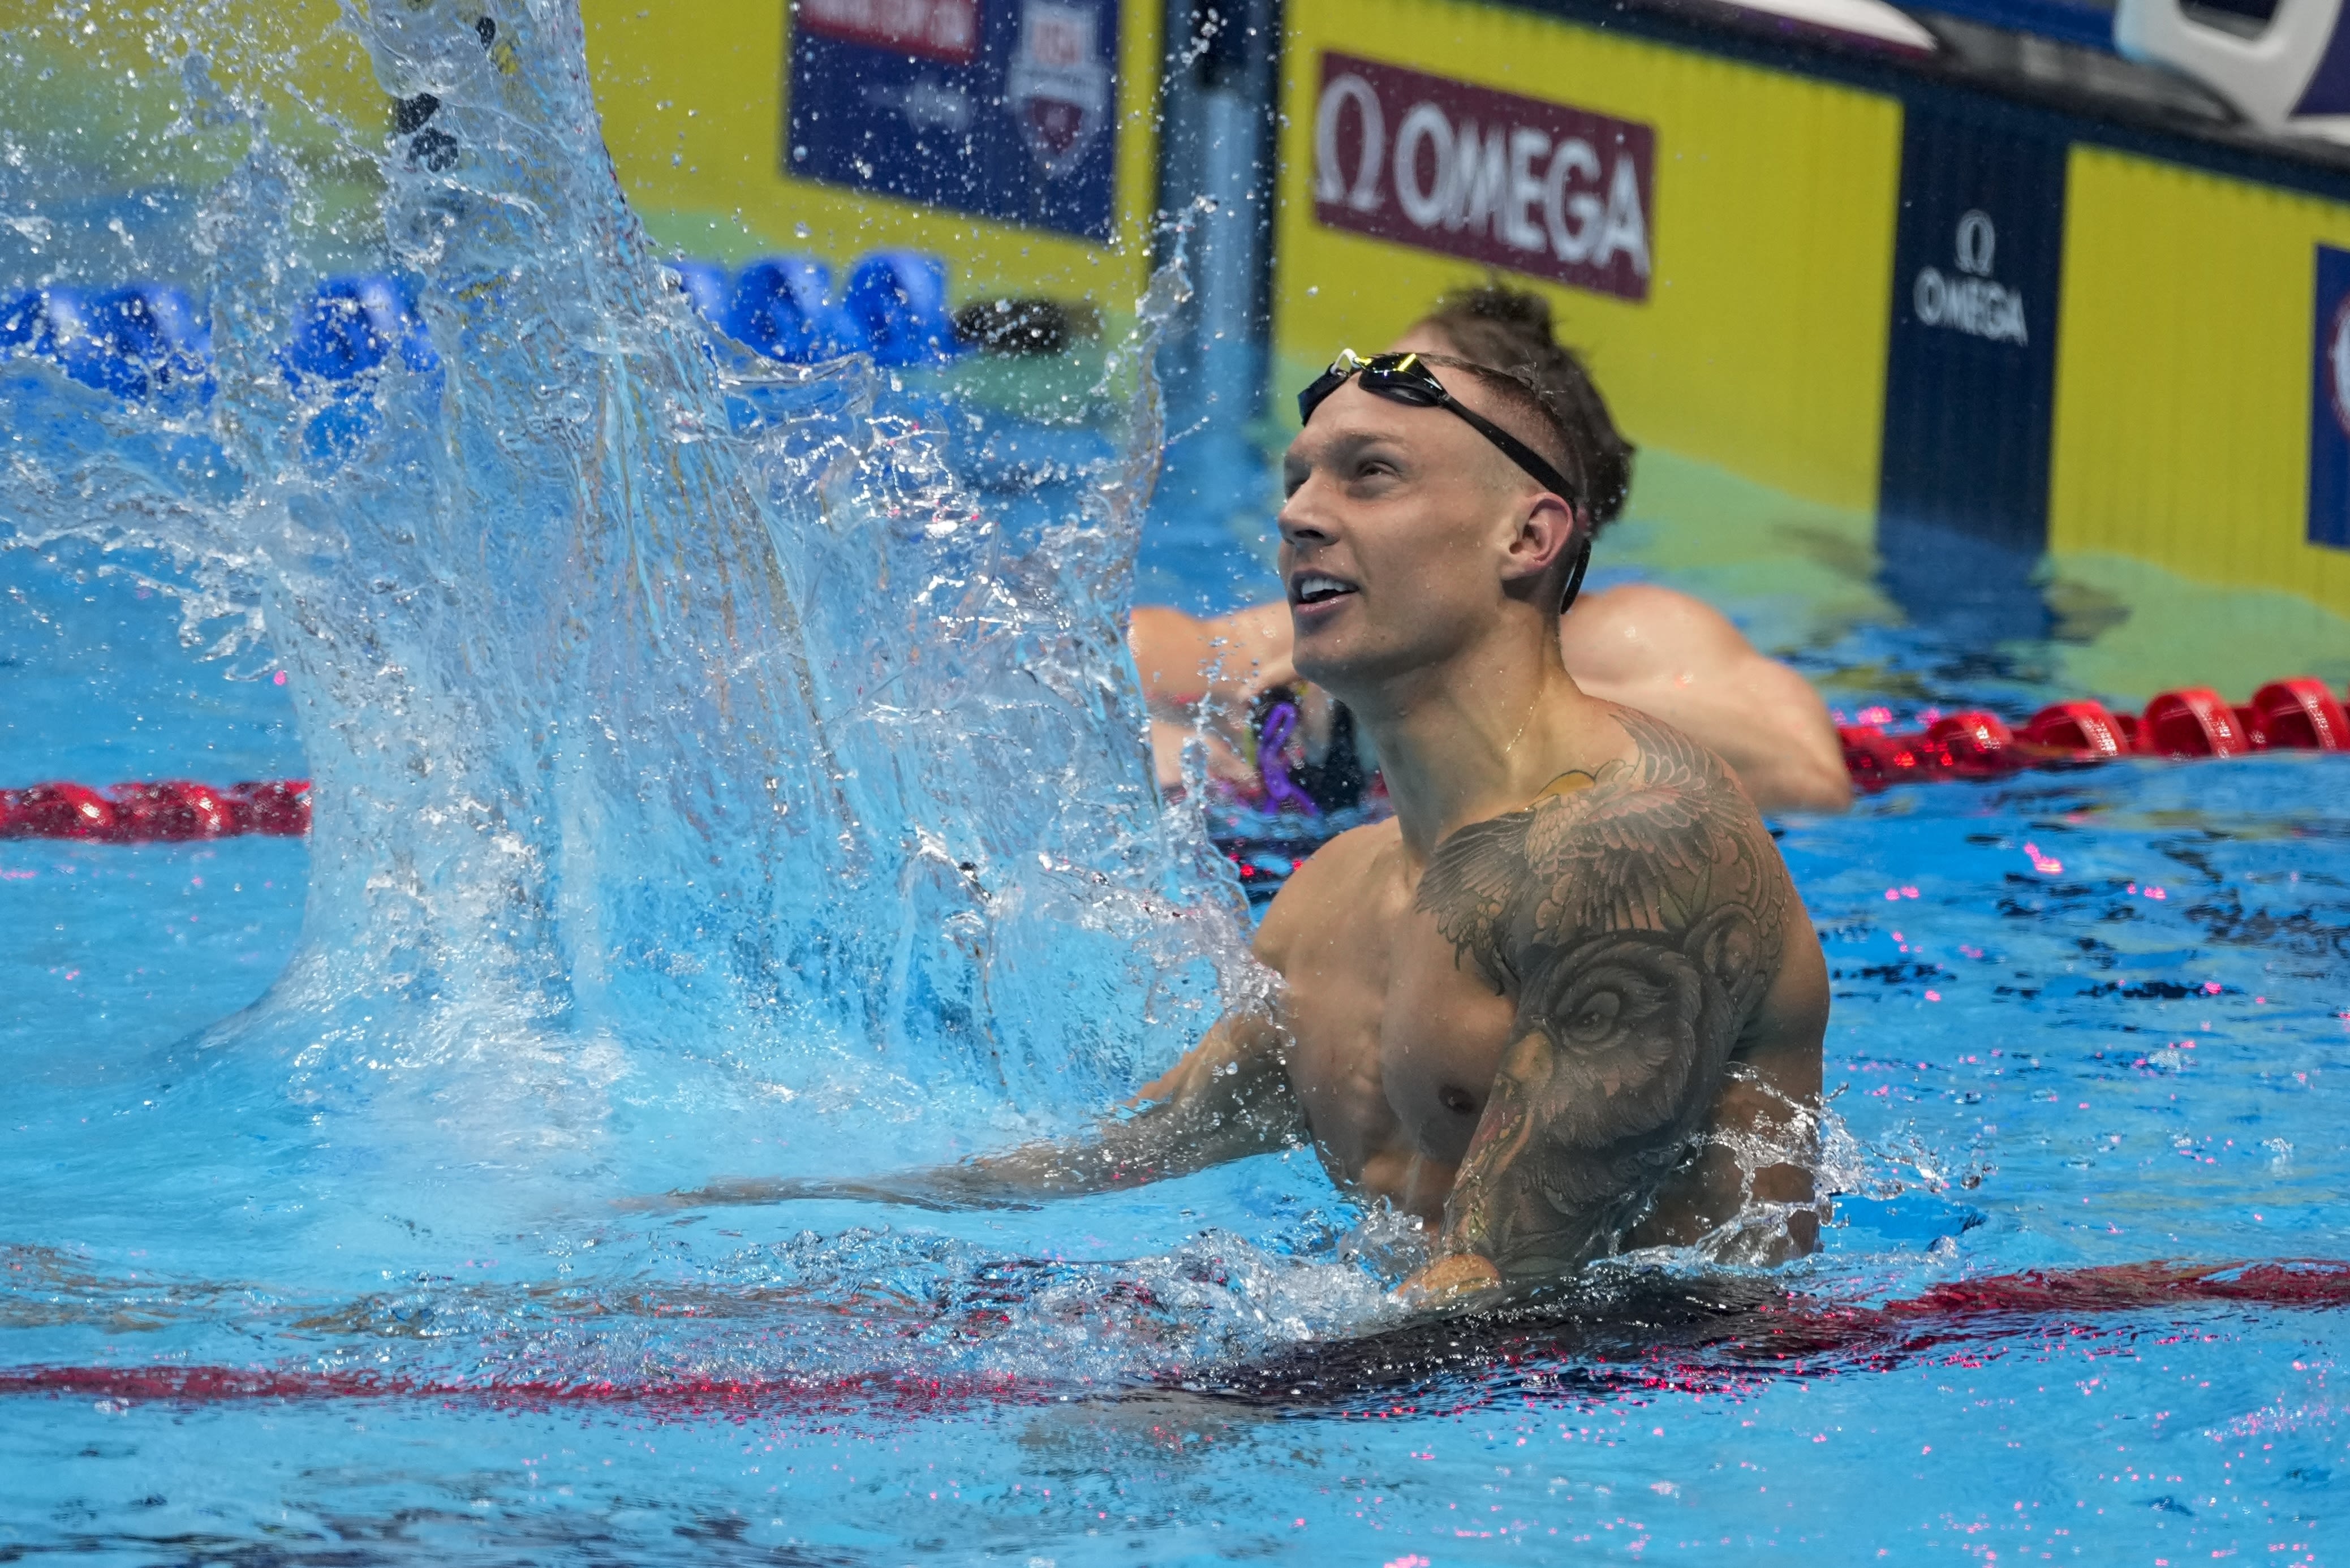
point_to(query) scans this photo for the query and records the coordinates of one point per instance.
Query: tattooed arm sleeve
(1639, 919)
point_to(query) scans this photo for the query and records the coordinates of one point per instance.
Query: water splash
(684, 732)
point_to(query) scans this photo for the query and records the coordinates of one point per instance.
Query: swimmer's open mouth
(1317, 587)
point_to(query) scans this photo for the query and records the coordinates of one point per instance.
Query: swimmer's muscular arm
(1227, 1099)
(1642, 921)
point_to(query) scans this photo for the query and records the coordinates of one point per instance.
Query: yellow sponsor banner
(1755, 337)
(695, 100)
(2184, 375)
(99, 87)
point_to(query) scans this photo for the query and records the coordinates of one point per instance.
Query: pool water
(310, 1150)
(2121, 1043)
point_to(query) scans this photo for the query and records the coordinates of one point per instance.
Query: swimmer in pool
(1669, 655)
(1536, 1006)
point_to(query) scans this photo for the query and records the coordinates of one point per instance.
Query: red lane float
(173, 811)
(2296, 714)
(2299, 713)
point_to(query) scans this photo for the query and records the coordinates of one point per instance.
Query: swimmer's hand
(935, 1191)
(1453, 1282)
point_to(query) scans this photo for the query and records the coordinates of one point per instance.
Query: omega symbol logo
(1968, 301)
(1977, 241)
(2338, 365)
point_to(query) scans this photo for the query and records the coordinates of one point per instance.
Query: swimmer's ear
(1547, 536)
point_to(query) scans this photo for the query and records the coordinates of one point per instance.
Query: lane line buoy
(2295, 714)
(173, 810)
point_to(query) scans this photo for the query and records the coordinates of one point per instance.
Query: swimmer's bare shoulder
(1644, 922)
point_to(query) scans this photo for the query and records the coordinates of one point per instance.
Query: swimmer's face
(1406, 536)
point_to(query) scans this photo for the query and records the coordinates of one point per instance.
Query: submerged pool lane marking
(855, 1394)
(1789, 1336)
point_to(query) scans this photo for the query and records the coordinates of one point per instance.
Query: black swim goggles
(1407, 378)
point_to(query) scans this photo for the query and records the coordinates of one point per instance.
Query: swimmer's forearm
(1229, 1098)
(916, 1190)
(1021, 1179)
(1201, 1125)
(1154, 1145)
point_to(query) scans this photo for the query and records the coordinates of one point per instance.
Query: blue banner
(1970, 363)
(1002, 109)
(2329, 404)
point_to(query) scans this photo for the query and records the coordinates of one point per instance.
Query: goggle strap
(1574, 576)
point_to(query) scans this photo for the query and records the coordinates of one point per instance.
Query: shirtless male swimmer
(1516, 1008)
(1664, 653)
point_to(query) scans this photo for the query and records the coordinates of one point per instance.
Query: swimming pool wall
(2012, 313)
(2143, 369)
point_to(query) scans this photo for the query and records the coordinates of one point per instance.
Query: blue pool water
(720, 772)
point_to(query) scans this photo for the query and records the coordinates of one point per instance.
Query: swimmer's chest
(1396, 1044)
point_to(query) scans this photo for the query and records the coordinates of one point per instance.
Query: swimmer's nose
(1301, 519)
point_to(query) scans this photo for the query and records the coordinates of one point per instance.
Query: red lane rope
(2295, 714)
(903, 1393)
(146, 813)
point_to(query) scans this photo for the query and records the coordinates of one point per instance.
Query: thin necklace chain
(1521, 725)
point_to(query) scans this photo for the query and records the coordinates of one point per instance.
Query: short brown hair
(1510, 330)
